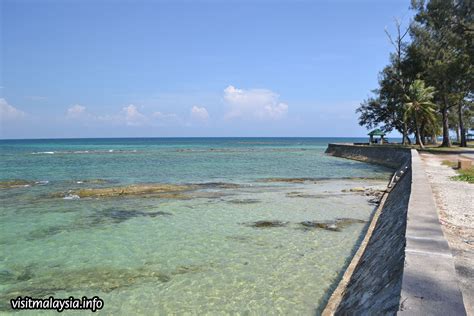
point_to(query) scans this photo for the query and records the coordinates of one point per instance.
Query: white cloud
(129, 115)
(199, 113)
(76, 111)
(262, 104)
(132, 116)
(8, 112)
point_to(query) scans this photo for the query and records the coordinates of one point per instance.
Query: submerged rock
(324, 225)
(158, 190)
(218, 185)
(357, 189)
(94, 279)
(289, 180)
(243, 201)
(267, 224)
(11, 184)
(319, 179)
(100, 218)
(305, 195)
(165, 191)
(71, 197)
(119, 215)
(335, 225)
(365, 191)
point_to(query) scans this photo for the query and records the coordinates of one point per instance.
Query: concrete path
(469, 156)
(429, 285)
(455, 204)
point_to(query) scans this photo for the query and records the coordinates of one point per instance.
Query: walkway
(455, 205)
(429, 285)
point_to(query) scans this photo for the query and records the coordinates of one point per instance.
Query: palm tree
(420, 107)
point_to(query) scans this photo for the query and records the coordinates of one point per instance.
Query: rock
(331, 226)
(305, 195)
(266, 224)
(244, 201)
(118, 215)
(218, 185)
(288, 180)
(335, 225)
(71, 197)
(11, 184)
(158, 190)
(375, 200)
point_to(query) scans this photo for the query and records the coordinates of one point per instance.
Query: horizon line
(177, 137)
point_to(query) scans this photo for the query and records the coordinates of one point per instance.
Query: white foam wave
(44, 153)
(71, 197)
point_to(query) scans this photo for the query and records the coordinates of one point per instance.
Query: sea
(159, 226)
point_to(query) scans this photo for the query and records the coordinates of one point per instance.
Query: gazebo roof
(376, 132)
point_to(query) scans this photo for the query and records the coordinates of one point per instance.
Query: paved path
(469, 156)
(455, 205)
(429, 285)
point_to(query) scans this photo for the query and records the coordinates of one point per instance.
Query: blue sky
(190, 68)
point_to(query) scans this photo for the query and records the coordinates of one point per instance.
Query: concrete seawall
(392, 157)
(404, 264)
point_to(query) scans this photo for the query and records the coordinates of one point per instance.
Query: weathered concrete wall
(373, 281)
(392, 157)
(385, 276)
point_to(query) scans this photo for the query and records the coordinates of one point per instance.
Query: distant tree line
(426, 90)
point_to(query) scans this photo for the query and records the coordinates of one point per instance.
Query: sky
(143, 68)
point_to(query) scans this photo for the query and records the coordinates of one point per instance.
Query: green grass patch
(452, 164)
(465, 175)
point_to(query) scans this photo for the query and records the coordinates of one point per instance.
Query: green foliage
(418, 102)
(465, 175)
(440, 53)
(448, 163)
(419, 107)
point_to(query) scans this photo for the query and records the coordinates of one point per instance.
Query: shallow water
(193, 253)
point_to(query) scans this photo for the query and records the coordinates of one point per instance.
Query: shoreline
(390, 277)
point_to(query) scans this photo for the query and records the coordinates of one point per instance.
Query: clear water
(202, 254)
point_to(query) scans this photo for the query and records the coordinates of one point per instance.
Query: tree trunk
(434, 138)
(461, 126)
(405, 134)
(418, 136)
(446, 140)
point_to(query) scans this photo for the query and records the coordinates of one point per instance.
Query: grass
(452, 164)
(465, 175)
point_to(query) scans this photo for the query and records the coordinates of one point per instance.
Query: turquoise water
(195, 248)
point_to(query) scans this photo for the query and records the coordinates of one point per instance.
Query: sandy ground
(455, 203)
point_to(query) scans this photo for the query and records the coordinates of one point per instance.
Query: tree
(442, 43)
(441, 53)
(419, 107)
(397, 73)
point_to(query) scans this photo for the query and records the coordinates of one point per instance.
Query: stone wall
(404, 264)
(392, 157)
(372, 282)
